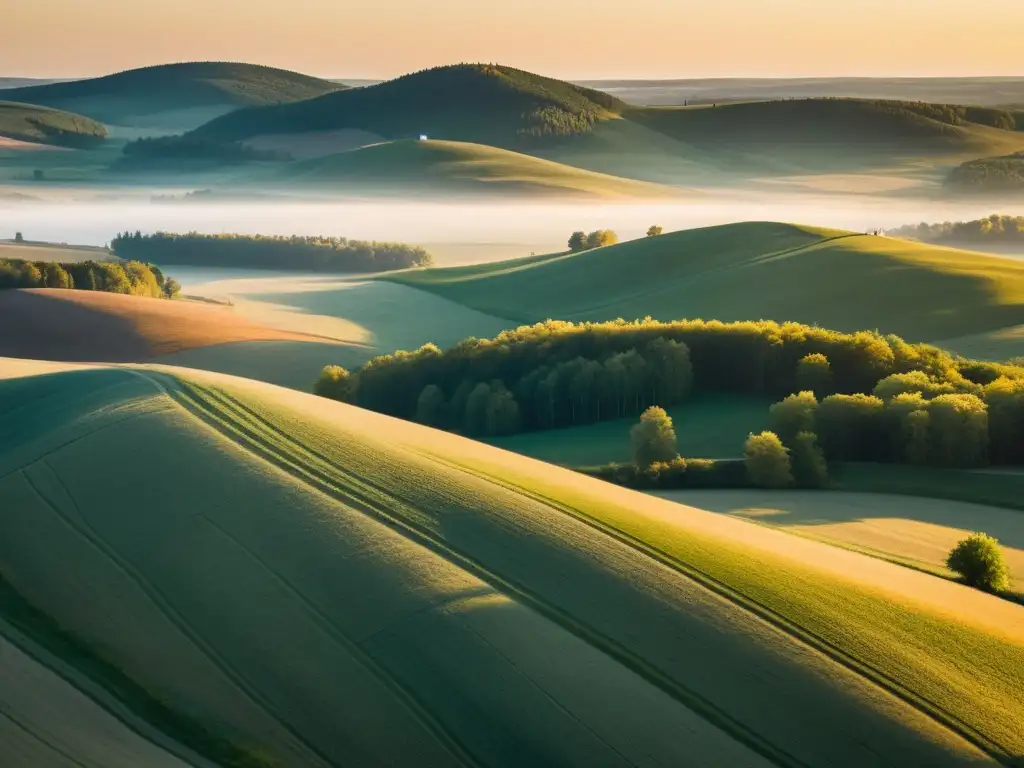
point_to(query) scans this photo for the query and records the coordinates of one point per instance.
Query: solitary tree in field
(654, 438)
(979, 562)
(654, 231)
(19, 238)
(767, 461)
(577, 242)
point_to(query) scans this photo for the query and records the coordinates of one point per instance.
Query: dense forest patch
(866, 396)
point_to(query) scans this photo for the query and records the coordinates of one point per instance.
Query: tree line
(553, 393)
(985, 231)
(872, 397)
(317, 254)
(132, 277)
(583, 241)
(160, 149)
(988, 174)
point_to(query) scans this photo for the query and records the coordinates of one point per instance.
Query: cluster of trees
(132, 277)
(582, 241)
(161, 149)
(859, 396)
(318, 254)
(761, 357)
(947, 430)
(992, 229)
(988, 174)
(553, 392)
(767, 462)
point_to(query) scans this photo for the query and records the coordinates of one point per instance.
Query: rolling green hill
(434, 167)
(280, 569)
(764, 270)
(809, 135)
(508, 108)
(41, 125)
(179, 96)
(481, 103)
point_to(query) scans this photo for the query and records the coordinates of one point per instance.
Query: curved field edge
(862, 628)
(915, 532)
(961, 668)
(76, 681)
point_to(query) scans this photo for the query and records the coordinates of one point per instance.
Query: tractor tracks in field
(218, 417)
(244, 426)
(767, 614)
(80, 525)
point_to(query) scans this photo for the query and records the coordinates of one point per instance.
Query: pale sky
(574, 39)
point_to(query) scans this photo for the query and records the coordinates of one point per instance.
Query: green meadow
(379, 558)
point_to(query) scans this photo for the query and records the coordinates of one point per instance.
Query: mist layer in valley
(465, 233)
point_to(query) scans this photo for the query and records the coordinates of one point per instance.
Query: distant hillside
(801, 131)
(594, 130)
(469, 102)
(997, 175)
(40, 125)
(196, 91)
(449, 167)
(982, 91)
(991, 232)
(757, 270)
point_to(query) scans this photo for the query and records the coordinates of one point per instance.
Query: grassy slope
(753, 270)
(464, 606)
(97, 326)
(42, 125)
(175, 87)
(357, 319)
(42, 251)
(916, 532)
(833, 133)
(709, 427)
(481, 103)
(46, 719)
(448, 166)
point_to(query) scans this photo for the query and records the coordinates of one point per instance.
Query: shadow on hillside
(41, 327)
(393, 316)
(292, 364)
(819, 508)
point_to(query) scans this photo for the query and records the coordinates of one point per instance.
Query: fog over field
(462, 233)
